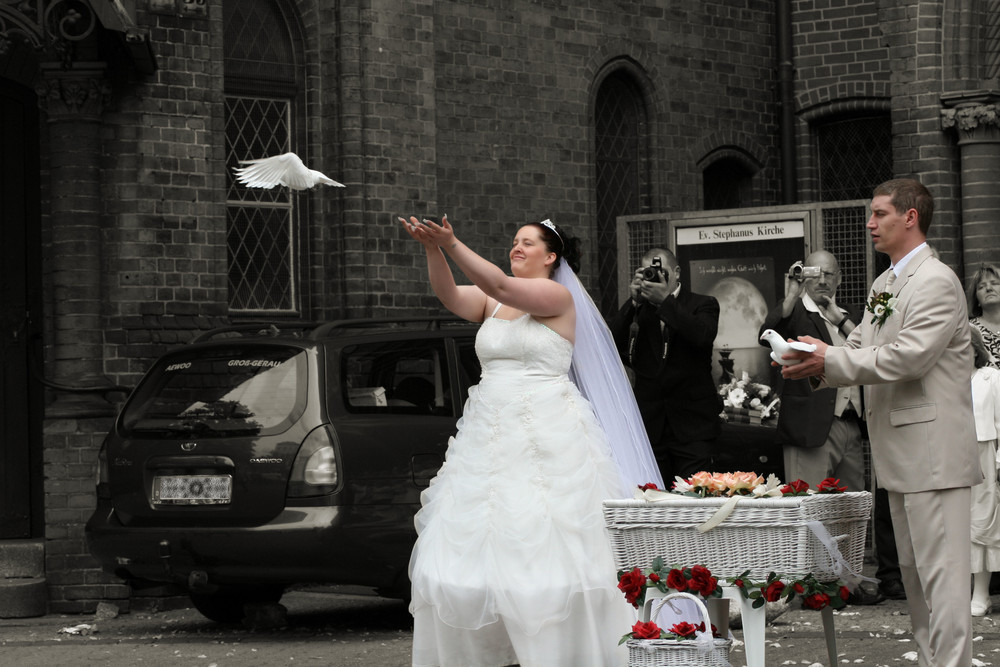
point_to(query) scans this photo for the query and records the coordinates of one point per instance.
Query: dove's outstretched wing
(286, 169)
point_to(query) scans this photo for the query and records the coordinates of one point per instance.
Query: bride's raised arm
(540, 298)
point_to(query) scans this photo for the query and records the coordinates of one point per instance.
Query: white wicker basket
(679, 652)
(762, 535)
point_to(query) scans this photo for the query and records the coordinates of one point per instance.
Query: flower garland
(881, 306)
(696, 580)
(814, 594)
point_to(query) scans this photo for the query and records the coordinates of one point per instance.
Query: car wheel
(227, 604)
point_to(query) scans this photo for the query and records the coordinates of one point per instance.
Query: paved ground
(334, 628)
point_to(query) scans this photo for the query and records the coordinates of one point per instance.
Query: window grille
(855, 155)
(620, 122)
(845, 236)
(262, 225)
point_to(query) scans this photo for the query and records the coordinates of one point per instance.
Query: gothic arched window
(620, 133)
(263, 91)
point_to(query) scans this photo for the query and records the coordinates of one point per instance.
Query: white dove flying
(780, 346)
(286, 169)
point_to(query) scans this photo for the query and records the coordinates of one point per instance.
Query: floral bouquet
(705, 484)
(744, 394)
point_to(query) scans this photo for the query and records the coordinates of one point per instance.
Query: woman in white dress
(512, 563)
(986, 494)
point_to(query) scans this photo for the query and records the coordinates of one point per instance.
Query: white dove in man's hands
(780, 346)
(286, 169)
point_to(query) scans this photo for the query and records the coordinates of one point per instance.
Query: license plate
(192, 490)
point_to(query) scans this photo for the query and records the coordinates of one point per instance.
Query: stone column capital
(973, 122)
(81, 92)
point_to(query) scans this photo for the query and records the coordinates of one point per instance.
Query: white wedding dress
(512, 564)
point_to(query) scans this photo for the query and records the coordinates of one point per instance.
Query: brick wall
(70, 457)
(164, 209)
(841, 67)
(485, 112)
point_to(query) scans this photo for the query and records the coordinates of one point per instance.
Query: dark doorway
(20, 314)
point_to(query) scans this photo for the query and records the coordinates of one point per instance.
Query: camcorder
(652, 273)
(800, 272)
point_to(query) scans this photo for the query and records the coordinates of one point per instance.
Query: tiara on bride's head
(548, 223)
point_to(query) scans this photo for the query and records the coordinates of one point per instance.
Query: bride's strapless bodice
(521, 350)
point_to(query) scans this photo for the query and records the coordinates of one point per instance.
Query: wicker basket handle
(653, 616)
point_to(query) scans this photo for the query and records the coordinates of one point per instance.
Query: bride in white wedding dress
(512, 563)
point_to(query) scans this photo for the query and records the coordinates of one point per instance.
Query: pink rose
(744, 481)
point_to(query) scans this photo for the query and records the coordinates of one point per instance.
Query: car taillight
(103, 483)
(314, 472)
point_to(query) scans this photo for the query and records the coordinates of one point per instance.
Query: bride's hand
(442, 234)
(418, 232)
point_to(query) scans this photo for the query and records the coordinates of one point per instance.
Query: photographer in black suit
(664, 333)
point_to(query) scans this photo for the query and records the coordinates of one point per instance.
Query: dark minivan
(257, 458)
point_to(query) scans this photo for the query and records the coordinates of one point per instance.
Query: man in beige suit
(915, 362)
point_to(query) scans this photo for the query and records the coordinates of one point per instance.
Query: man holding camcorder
(820, 430)
(664, 333)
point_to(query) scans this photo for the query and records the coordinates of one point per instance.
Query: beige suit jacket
(917, 374)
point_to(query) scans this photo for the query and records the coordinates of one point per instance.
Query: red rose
(844, 593)
(633, 585)
(649, 487)
(829, 485)
(676, 580)
(654, 577)
(715, 631)
(798, 486)
(739, 583)
(684, 629)
(799, 588)
(702, 581)
(773, 591)
(645, 630)
(816, 601)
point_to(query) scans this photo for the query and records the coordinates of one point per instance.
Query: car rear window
(225, 391)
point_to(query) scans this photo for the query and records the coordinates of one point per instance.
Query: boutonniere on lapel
(881, 306)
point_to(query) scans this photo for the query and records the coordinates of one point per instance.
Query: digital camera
(653, 272)
(800, 272)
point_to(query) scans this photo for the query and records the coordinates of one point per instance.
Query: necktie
(890, 279)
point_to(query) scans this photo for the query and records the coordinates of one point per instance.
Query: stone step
(22, 558)
(23, 598)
